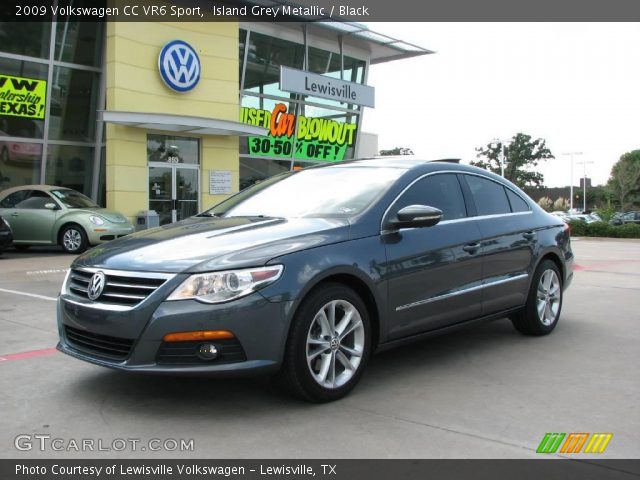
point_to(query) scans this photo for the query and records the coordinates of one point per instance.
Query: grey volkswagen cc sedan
(306, 274)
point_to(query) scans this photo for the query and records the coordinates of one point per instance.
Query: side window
(16, 197)
(489, 196)
(516, 201)
(440, 191)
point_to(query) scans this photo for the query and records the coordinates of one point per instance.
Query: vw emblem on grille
(179, 66)
(96, 285)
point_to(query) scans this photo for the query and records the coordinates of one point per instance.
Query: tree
(521, 157)
(396, 151)
(624, 182)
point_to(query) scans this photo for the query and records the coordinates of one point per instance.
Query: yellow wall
(134, 85)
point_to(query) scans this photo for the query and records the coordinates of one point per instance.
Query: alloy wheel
(72, 239)
(335, 344)
(548, 297)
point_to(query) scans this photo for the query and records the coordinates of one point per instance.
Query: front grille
(229, 351)
(122, 288)
(99, 345)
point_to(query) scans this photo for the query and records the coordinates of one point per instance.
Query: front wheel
(328, 345)
(542, 310)
(73, 239)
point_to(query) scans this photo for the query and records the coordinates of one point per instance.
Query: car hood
(201, 244)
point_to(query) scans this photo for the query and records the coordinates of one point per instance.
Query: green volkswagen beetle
(49, 215)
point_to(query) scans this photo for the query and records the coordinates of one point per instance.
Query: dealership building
(174, 117)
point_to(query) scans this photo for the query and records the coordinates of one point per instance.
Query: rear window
(516, 201)
(489, 196)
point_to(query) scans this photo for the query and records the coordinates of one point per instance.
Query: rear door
(508, 242)
(433, 273)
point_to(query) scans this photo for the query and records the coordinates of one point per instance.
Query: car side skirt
(445, 330)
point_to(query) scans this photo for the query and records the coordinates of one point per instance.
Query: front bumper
(100, 234)
(259, 326)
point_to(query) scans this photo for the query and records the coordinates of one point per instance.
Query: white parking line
(41, 297)
(43, 272)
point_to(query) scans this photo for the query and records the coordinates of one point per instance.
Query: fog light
(207, 351)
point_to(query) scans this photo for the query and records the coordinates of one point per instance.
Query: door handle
(471, 247)
(529, 235)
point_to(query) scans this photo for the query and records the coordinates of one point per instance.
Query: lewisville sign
(314, 85)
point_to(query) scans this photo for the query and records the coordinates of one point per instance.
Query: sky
(576, 85)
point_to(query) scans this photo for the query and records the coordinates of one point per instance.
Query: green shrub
(630, 230)
(599, 229)
(578, 228)
(603, 229)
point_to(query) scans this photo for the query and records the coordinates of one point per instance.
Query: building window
(70, 166)
(19, 163)
(253, 170)
(22, 118)
(73, 104)
(303, 130)
(173, 149)
(25, 38)
(79, 42)
(265, 56)
(58, 149)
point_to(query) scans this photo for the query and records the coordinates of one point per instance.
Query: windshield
(315, 192)
(73, 199)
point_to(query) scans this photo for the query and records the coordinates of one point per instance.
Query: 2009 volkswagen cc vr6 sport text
(307, 273)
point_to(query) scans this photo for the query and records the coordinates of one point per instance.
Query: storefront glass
(70, 166)
(302, 130)
(79, 42)
(25, 38)
(19, 163)
(74, 96)
(48, 103)
(173, 176)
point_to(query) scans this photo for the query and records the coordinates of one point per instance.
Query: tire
(317, 354)
(544, 302)
(73, 239)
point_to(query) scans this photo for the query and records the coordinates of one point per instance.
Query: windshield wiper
(207, 214)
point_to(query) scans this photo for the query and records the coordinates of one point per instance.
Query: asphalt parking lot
(486, 392)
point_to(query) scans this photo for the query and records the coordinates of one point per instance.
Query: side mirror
(51, 206)
(417, 216)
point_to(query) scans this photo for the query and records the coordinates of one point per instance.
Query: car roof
(395, 161)
(41, 187)
(416, 164)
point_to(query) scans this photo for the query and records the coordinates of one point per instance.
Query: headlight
(217, 287)
(96, 220)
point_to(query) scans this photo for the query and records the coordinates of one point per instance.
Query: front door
(173, 191)
(434, 273)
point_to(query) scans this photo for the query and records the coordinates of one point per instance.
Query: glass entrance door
(173, 191)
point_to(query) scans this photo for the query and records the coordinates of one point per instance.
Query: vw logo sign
(96, 285)
(179, 66)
